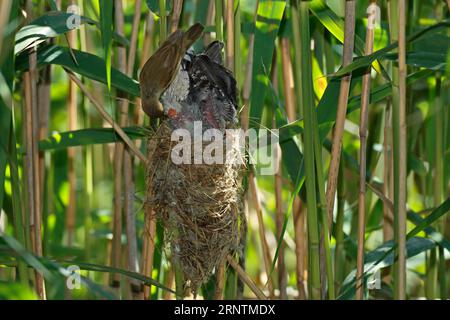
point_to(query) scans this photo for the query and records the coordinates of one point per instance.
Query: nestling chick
(162, 67)
(214, 87)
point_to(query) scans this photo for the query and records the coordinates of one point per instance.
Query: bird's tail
(191, 35)
(214, 51)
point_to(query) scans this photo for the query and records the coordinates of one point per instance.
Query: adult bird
(162, 67)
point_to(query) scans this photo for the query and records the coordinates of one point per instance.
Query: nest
(200, 206)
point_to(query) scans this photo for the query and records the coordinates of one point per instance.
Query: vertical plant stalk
(32, 166)
(397, 24)
(388, 187)
(304, 90)
(246, 279)
(237, 41)
(127, 66)
(300, 247)
(299, 214)
(230, 35)
(218, 20)
(297, 55)
(339, 251)
(169, 283)
(71, 175)
(9, 13)
(148, 241)
(439, 181)
(247, 85)
(301, 236)
(145, 54)
(88, 154)
(162, 21)
(282, 276)
(148, 247)
(403, 153)
(18, 217)
(234, 287)
(349, 35)
(5, 7)
(210, 16)
(44, 110)
(116, 250)
(439, 172)
(279, 213)
(130, 215)
(288, 80)
(246, 88)
(43, 90)
(325, 250)
(365, 97)
(262, 232)
(220, 281)
(175, 18)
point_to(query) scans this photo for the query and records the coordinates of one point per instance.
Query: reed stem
(338, 132)
(162, 21)
(304, 83)
(365, 96)
(218, 21)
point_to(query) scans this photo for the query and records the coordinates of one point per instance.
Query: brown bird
(162, 67)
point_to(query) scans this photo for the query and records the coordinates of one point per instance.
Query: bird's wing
(160, 70)
(214, 52)
(216, 74)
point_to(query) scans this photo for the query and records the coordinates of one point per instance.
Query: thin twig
(246, 279)
(108, 118)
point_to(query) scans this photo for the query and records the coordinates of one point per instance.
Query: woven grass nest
(200, 207)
